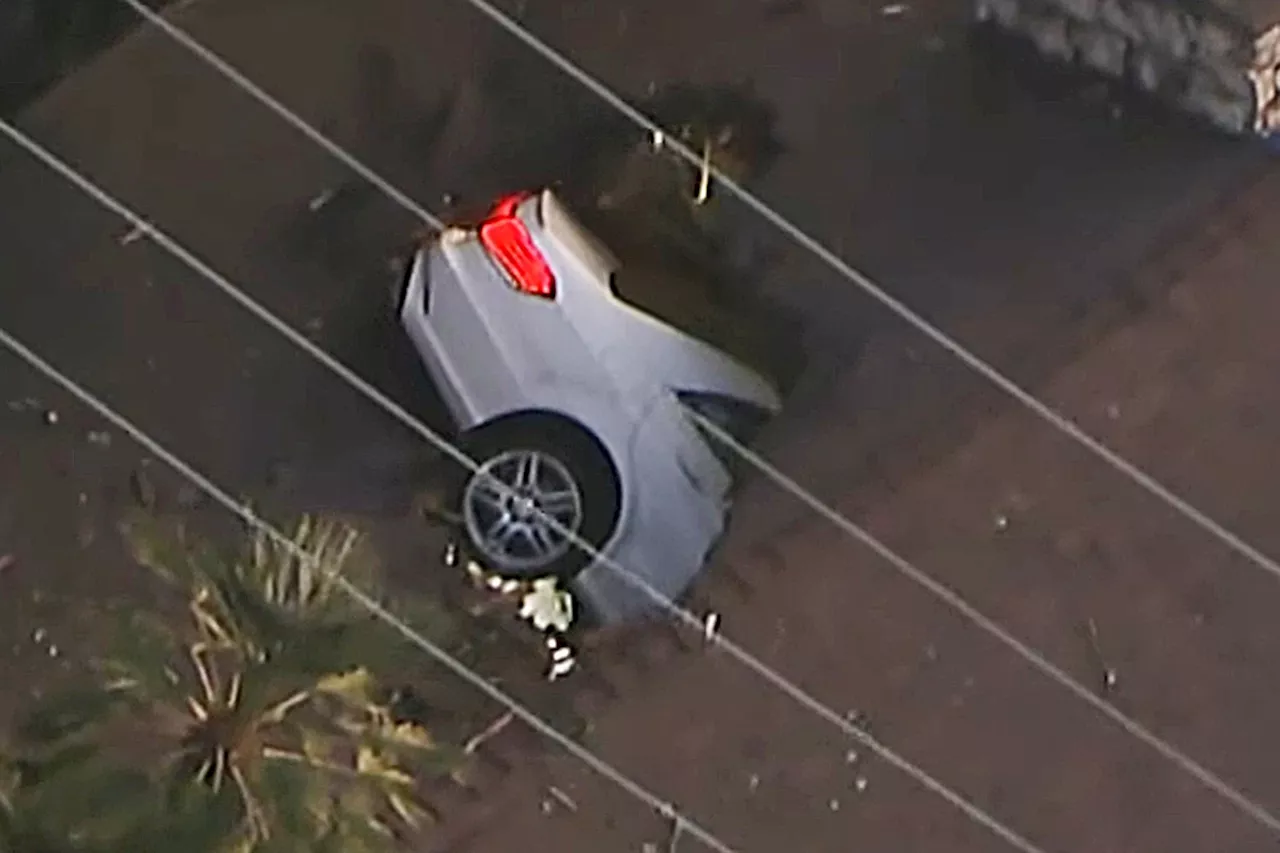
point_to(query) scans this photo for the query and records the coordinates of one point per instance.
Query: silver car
(575, 397)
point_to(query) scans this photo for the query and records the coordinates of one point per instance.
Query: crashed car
(575, 399)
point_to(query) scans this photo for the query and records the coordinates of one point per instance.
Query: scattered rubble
(563, 658)
(540, 602)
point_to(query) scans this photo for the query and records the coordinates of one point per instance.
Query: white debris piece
(893, 10)
(709, 626)
(563, 660)
(132, 236)
(562, 798)
(321, 200)
(547, 606)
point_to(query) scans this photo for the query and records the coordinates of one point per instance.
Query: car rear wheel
(539, 486)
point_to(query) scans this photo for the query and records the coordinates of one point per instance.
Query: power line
(1254, 810)
(285, 114)
(599, 765)
(952, 599)
(772, 676)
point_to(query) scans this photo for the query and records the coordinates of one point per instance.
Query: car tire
(563, 450)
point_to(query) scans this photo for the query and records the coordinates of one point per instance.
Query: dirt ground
(1117, 264)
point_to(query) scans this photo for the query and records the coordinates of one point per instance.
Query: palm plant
(258, 729)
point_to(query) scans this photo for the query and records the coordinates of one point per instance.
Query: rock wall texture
(1208, 57)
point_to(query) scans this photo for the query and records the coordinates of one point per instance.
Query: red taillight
(508, 241)
(505, 207)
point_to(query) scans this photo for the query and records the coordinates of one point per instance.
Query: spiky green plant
(257, 728)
